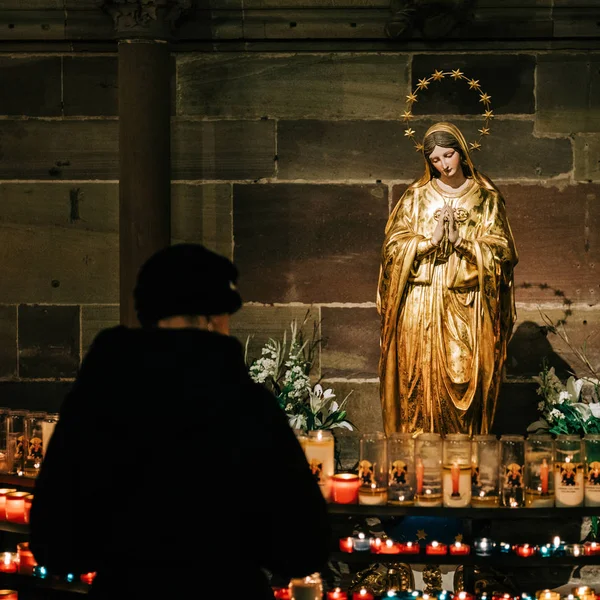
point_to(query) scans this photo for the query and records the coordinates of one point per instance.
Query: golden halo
(457, 75)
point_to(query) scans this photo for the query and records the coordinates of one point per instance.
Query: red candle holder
(3, 494)
(9, 562)
(363, 594)
(346, 544)
(27, 501)
(26, 560)
(344, 488)
(15, 507)
(282, 593)
(591, 548)
(376, 544)
(9, 595)
(505, 596)
(464, 596)
(524, 550)
(459, 549)
(410, 548)
(389, 547)
(87, 577)
(337, 594)
(436, 548)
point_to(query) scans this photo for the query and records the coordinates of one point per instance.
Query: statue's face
(446, 161)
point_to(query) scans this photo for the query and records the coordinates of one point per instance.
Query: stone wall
(287, 155)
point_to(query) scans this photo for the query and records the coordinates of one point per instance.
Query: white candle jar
(591, 443)
(539, 461)
(319, 450)
(32, 459)
(485, 466)
(512, 462)
(373, 469)
(401, 467)
(428, 467)
(568, 471)
(16, 440)
(456, 470)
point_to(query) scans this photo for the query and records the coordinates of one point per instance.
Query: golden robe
(446, 315)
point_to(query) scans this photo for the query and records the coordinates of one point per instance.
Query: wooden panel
(586, 150)
(568, 93)
(378, 150)
(223, 149)
(93, 320)
(203, 213)
(59, 149)
(8, 341)
(48, 341)
(30, 85)
(350, 342)
(507, 78)
(300, 86)
(32, 24)
(90, 85)
(309, 243)
(65, 237)
(255, 325)
(557, 242)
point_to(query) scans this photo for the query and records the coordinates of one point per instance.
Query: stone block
(363, 405)
(378, 150)
(26, 25)
(93, 320)
(86, 24)
(507, 78)
(223, 149)
(586, 156)
(323, 86)
(49, 341)
(64, 237)
(90, 85)
(350, 342)
(332, 4)
(203, 213)
(558, 245)
(34, 395)
(254, 325)
(8, 341)
(30, 85)
(558, 335)
(568, 93)
(309, 243)
(56, 150)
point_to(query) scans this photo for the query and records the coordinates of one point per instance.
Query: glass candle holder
(539, 460)
(27, 501)
(319, 450)
(9, 562)
(26, 559)
(428, 469)
(16, 440)
(87, 577)
(48, 426)
(344, 488)
(3, 493)
(306, 588)
(9, 595)
(4, 412)
(456, 470)
(512, 461)
(373, 469)
(591, 451)
(484, 546)
(485, 465)
(401, 462)
(568, 471)
(15, 507)
(32, 459)
(361, 543)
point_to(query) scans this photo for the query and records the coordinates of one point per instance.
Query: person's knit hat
(185, 279)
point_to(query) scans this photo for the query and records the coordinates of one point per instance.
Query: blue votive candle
(361, 543)
(545, 551)
(484, 546)
(505, 548)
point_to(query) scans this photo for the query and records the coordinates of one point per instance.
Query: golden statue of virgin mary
(445, 295)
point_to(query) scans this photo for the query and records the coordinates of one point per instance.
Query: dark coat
(169, 469)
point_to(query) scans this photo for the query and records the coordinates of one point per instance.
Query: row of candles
(459, 471)
(481, 547)
(312, 585)
(23, 562)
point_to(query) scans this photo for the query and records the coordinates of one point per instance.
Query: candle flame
(389, 543)
(556, 541)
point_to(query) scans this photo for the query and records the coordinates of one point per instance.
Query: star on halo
(418, 147)
(484, 131)
(475, 146)
(412, 97)
(409, 132)
(485, 98)
(421, 535)
(406, 115)
(456, 74)
(437, 75)
(489, 114)
(474, 84)
(423, 83)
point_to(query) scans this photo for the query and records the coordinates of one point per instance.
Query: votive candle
(436, 548)
(26, 560)
(505, 548)
(410, 548)
(574, 550)
(547, 595)
(89, 577)
(28, 500)
(389, 547)
(525, 550)
(282, 593)
(464, 596)
(346, 544)
(9, 595)
(376, 544)
(337, 594)
(363, 594)
(484, 546)
(3, 493)
(15, 507)
(344, 488)
(459, 549)
(591, 548)
(545, 551)
(361, 543)
(9, 562)
(372, 495)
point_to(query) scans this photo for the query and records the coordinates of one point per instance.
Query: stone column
(144, 32)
